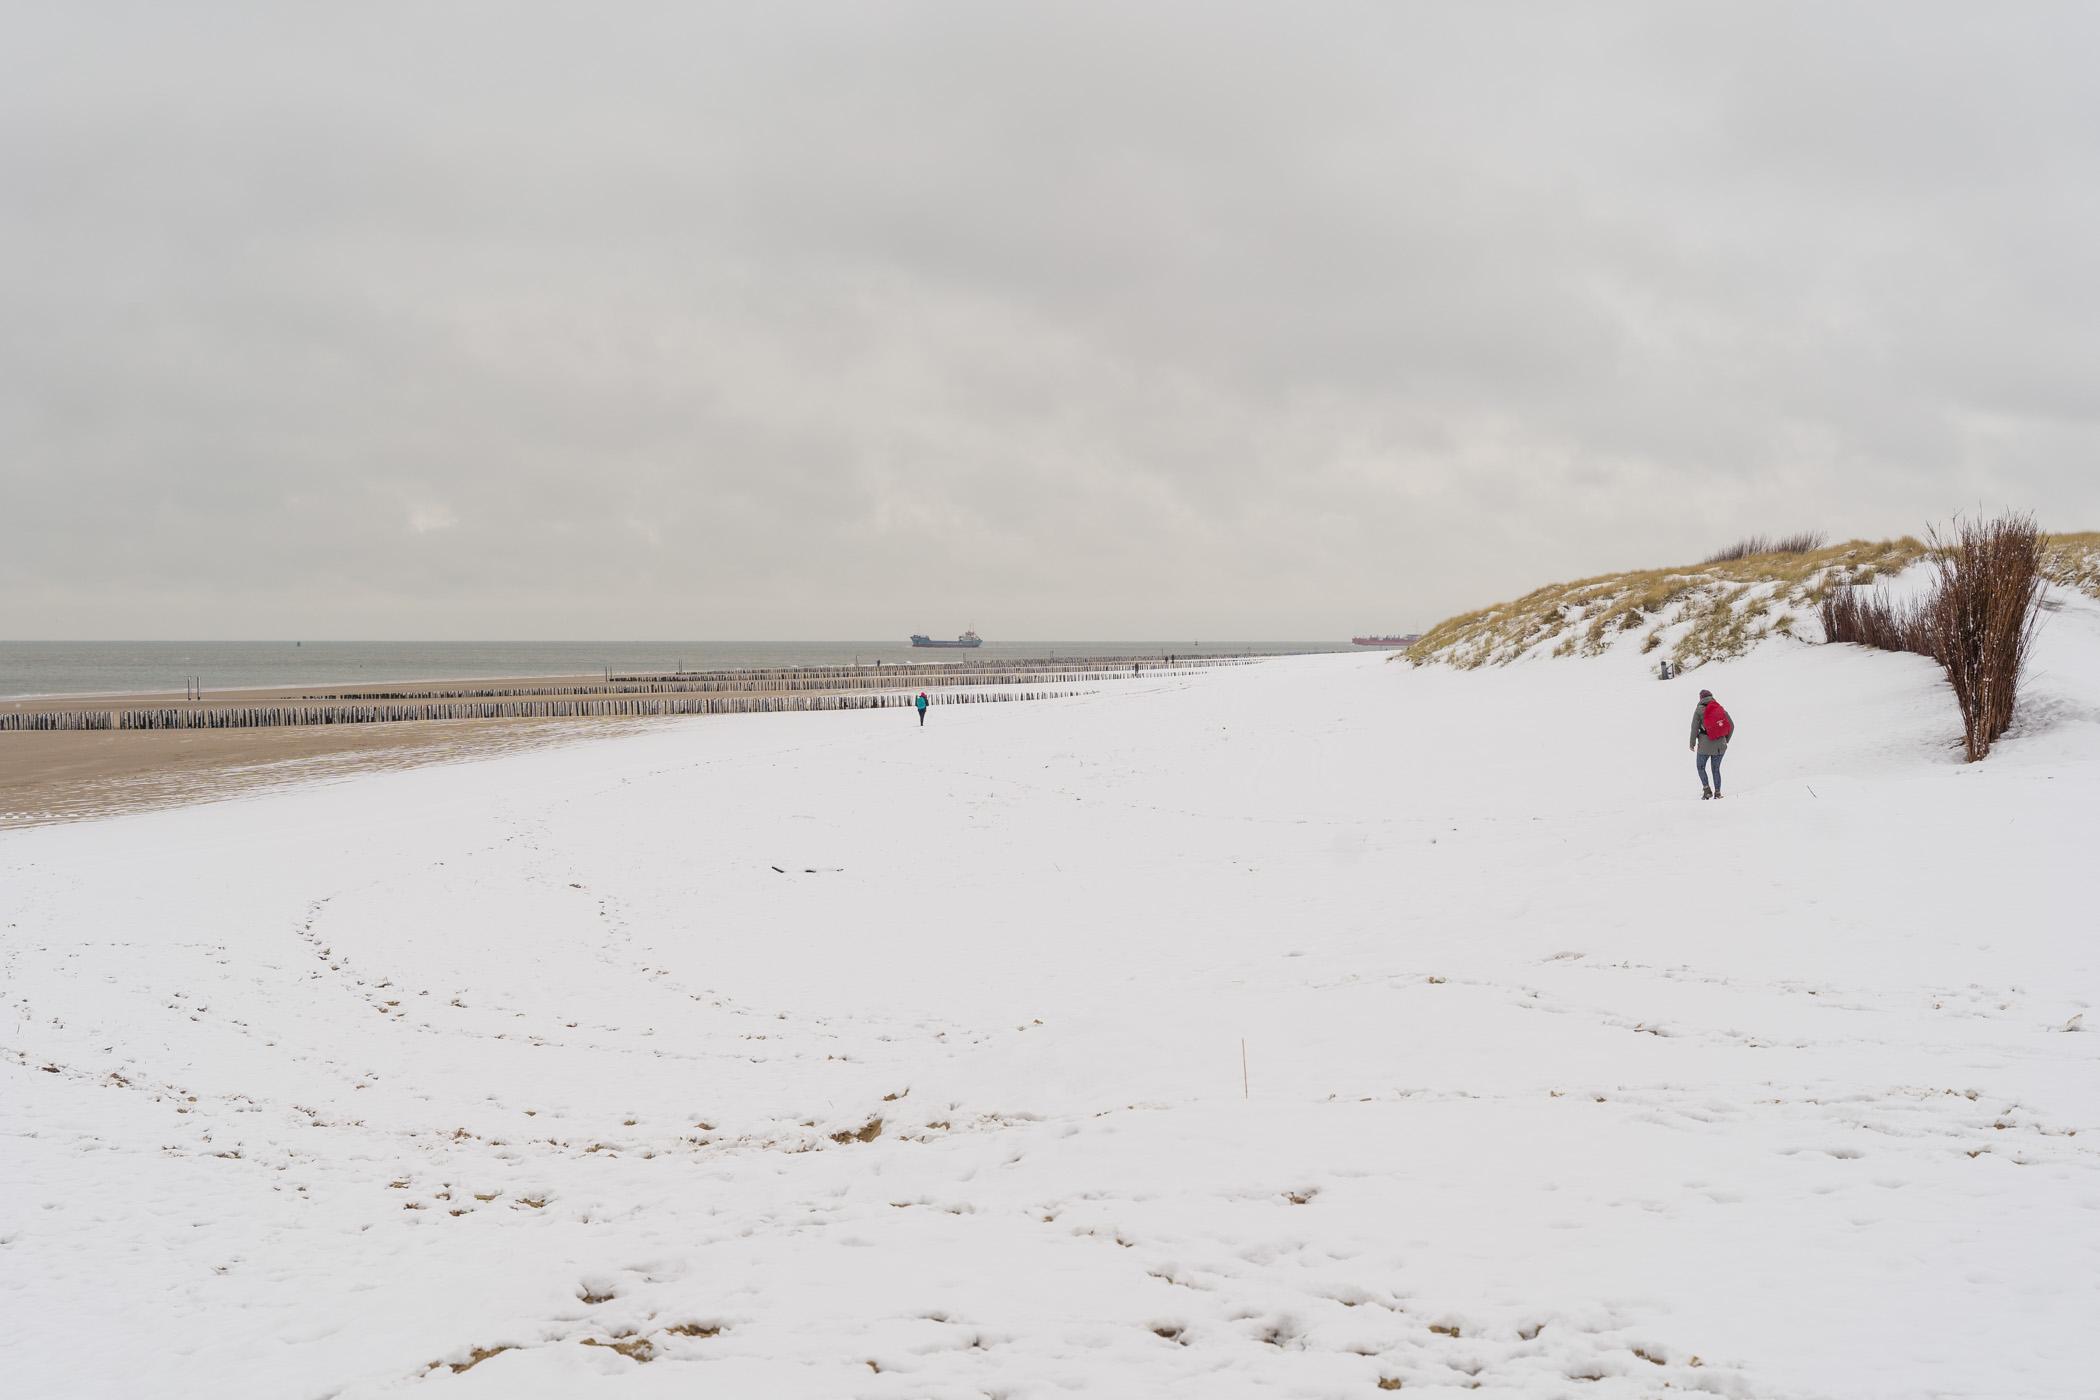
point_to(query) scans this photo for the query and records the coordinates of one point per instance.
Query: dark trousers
(1715, 758)
(922, 715)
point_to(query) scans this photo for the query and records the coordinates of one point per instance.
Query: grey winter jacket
(1699, 740)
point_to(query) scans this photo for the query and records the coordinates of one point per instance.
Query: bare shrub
(1983, 619)
(1875, 620)
(1741, 549)
(1978, 622)
(1803, 542)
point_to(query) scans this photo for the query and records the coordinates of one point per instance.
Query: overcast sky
(1065, 321)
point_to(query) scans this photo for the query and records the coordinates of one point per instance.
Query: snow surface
(1558, 1081)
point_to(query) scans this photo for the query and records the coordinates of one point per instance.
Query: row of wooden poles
(955, 666)
(637, 707)
(887, 681)
(808, 678)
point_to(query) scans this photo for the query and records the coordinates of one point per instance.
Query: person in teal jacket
(921, 704)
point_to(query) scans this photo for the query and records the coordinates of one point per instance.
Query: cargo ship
(967, 639)
(1407, 641)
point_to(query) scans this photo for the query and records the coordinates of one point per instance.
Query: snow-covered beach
(822, 1055)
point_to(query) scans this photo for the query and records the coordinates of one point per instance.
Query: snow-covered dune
(824, 1055)
(1720, 610)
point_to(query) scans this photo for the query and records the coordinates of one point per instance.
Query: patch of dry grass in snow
(1701, 612)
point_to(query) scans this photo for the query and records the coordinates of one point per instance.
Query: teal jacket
(920, 702)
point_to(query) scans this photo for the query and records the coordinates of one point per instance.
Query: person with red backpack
(1711, 731)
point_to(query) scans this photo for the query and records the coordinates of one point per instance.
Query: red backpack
(1718, 724)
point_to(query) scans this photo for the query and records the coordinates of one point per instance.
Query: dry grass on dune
(1717, 609)
(2073, 561)
(1708, 611)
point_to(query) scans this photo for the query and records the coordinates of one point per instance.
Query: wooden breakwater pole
(57, 720)
(582, 707)
(758, 691)
(905, 671)
(813, 678)
(866, 682)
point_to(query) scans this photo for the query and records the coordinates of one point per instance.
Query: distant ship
(1407, 641)
(967, 639)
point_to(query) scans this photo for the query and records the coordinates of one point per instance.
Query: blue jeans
(1715, 759)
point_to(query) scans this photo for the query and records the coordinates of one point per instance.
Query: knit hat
(1706, 695)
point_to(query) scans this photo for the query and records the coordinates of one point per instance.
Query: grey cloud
(1075, 320)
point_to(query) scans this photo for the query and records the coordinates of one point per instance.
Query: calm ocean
(98, 668)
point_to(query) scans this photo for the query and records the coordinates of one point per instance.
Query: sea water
(105, 668)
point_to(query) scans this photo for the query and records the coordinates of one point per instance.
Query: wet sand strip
(74, 774)
(61, 777)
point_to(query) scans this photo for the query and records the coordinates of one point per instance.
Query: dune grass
(1728, 603)
(2073, 561)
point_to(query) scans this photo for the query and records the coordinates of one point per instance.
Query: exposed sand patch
(73, 776)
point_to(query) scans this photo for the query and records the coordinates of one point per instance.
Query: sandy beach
(74, 775)
(68, 775)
